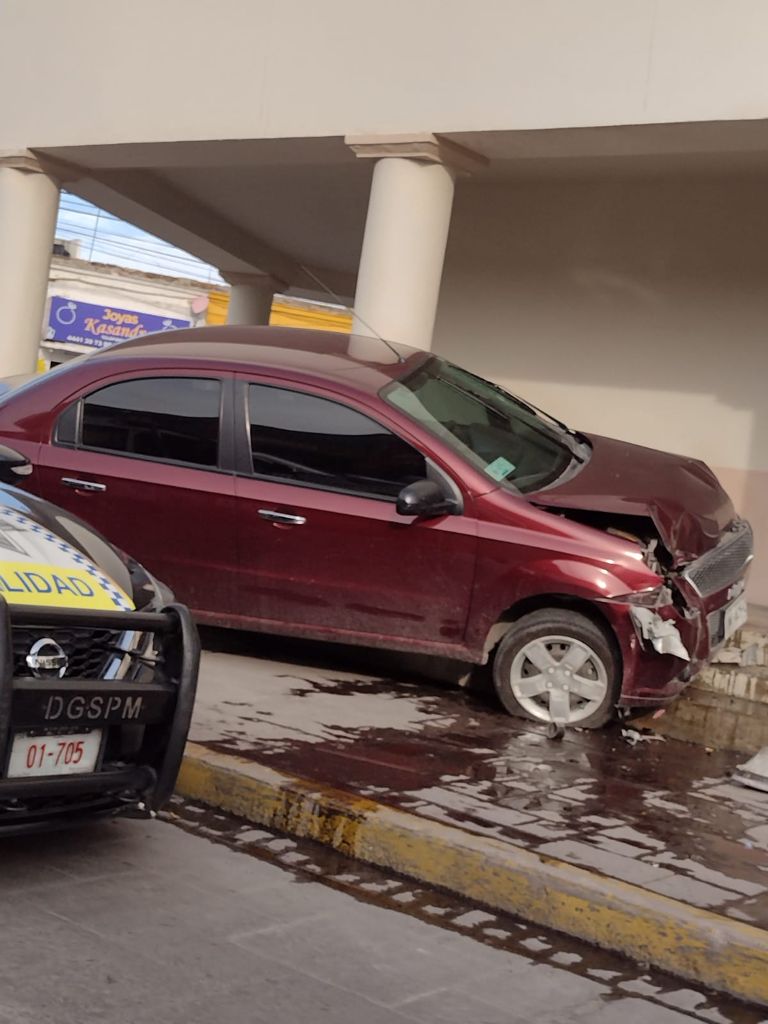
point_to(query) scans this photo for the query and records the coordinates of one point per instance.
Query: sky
(106, 239)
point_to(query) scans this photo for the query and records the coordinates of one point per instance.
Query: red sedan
(323, 486)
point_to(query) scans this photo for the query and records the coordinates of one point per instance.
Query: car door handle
(82, 485)
(281, 517)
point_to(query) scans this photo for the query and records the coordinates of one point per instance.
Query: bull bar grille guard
(113, 787)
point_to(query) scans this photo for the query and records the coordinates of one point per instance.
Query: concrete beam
(148, 201)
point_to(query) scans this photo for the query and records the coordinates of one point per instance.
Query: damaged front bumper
(661, 649)
(667, 635)
(662, 634)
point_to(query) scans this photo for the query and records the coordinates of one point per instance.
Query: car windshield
(511, 442)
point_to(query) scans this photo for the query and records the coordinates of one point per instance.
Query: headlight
(654, 597)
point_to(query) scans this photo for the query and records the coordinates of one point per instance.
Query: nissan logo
(47, 659)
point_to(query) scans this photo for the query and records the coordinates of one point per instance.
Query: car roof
(365, 364)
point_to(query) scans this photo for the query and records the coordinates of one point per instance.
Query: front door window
(315, 442)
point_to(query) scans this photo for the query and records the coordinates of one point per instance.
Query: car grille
(89, 651)
(724, 564)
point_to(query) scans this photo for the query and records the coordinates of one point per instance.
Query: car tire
(557, 665)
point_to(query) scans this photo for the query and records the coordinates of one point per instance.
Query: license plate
(735, 616)
(70, 754)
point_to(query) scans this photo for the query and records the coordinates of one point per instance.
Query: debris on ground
(755, 772)
(633, 737)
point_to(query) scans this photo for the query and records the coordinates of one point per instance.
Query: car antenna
(339, 302)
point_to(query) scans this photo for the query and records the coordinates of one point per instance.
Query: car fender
(556, 577)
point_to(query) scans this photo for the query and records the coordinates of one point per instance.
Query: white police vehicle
(98, 670)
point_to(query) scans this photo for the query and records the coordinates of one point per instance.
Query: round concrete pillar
(401, 264)
(250, 298)
(29, 202)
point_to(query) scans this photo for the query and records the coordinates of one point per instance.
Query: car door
(144, 460)
(323, 551)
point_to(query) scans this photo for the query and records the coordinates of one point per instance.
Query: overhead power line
(132, 247)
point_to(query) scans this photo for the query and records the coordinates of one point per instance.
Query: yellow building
(287, 313)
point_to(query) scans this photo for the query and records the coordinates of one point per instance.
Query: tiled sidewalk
(662, 815)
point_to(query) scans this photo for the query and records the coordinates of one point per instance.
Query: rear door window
(170, 419)
(303, 439)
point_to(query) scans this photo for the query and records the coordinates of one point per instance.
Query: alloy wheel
(559, 678)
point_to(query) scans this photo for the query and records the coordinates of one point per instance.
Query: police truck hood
(48, 556)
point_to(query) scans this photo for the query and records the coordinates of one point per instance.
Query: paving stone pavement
(132, 922)
(660, 814)
(550, 951)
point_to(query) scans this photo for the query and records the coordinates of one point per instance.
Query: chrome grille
(89, 651)
(723, 565)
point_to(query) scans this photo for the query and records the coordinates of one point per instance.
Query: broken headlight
(654, 597)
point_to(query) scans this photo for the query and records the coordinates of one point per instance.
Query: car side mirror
(426, 499)
(13, 465)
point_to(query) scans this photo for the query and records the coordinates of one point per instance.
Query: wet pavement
(135, 922)
(663, 815)
(621, 984)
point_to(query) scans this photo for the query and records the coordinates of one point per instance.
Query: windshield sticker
(44, 569)
(500, 468)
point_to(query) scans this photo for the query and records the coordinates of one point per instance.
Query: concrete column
(29, 202)
(250, 298)
(406, 231)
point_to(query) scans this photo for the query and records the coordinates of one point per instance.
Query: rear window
(170, 419)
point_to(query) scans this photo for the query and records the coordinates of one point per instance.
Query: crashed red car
(346, 489)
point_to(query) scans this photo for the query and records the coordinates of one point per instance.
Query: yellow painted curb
(719, 952)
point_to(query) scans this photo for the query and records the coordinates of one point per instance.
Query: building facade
(564, 195)
(92, 305)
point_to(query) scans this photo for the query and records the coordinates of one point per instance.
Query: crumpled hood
(682, 496)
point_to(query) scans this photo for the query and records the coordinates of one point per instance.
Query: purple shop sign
(82, 323)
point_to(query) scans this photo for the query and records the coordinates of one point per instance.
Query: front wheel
(556, 665)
